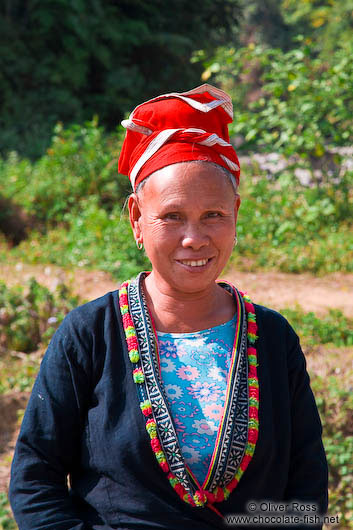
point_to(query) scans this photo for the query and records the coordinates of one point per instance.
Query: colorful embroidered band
(201, 497)
(178, 128)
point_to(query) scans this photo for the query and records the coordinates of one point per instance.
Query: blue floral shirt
(194, 368)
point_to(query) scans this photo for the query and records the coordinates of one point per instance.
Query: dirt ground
(277, 290)
(274, 289)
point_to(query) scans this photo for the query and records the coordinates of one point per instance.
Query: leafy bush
(334, 327)
(325, 23)
(19, 370)
(335, 403)
(288, 102)
(290, 227)
(6, 519)
(76, 196)
(30, 318)
(91, 238)
(81, 161)
(64, 60)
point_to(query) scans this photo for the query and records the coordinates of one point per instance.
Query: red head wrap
(178, 127)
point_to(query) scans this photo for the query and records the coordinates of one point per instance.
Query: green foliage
(81, 162)
(76, 196)
(91, 238)
(335, 403)
(324, 22)
(297, 104)
(66, 61)
(286, 226)
(334, 327)
(18, 371)
(30, 316)
(6, 519)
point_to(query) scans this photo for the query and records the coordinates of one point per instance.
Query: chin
(192, 285)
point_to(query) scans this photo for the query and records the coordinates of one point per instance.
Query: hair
(225, 171)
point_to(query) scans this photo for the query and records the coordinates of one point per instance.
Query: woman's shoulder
(88, 320)
(270, 316)
(274, 325)
(89, 311)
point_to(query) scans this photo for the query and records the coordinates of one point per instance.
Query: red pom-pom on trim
(123, 300)
(164, 466)
(252, 328)
(210, 496)
(252, 435)
(132, 343)
(180, 490)
(252, 371)
(245, 462)
(254, 392)
(156, 446)
(253, 412)
(127, 320)
(220, 495)
(249, 307)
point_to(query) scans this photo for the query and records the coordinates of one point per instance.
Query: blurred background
(71, 70)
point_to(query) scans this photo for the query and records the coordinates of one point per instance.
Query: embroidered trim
(201, 497)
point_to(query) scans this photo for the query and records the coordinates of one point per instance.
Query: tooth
(194, 263)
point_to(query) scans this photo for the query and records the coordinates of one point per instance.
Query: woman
(173, 401)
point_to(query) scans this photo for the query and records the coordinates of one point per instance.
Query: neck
(180, 312)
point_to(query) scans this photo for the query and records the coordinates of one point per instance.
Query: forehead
(188, 182)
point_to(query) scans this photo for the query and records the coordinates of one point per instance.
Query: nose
(194, 237)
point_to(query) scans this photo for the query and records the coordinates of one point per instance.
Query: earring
(235, 241)
(139, 244)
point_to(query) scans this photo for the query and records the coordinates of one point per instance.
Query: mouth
(195, 264)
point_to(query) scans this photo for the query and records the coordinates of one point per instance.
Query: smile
(194, 263)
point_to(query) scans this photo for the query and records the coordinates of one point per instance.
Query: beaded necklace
(201, 497)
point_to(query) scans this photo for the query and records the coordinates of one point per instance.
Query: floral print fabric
(194, 369)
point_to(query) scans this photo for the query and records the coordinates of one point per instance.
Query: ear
(237, 203)
(135, 216)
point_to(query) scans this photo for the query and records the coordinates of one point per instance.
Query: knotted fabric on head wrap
(178, 127)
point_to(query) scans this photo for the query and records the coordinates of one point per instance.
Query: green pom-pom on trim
(252, 338)
(239, 474)
(252, 360)
(160, 456)
(134, 356)
(250, 449)
(138, 376)
(130, 332)
(253, 424)
(145, 404)
(252, 317)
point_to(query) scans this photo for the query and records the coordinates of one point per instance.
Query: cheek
(157, 234)
(224, 232)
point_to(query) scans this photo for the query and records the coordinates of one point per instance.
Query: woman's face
(185, 215)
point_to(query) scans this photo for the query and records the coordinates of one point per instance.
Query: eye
(173, 216)
(213, 215)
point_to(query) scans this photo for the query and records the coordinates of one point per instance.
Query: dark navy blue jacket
(84, 420)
